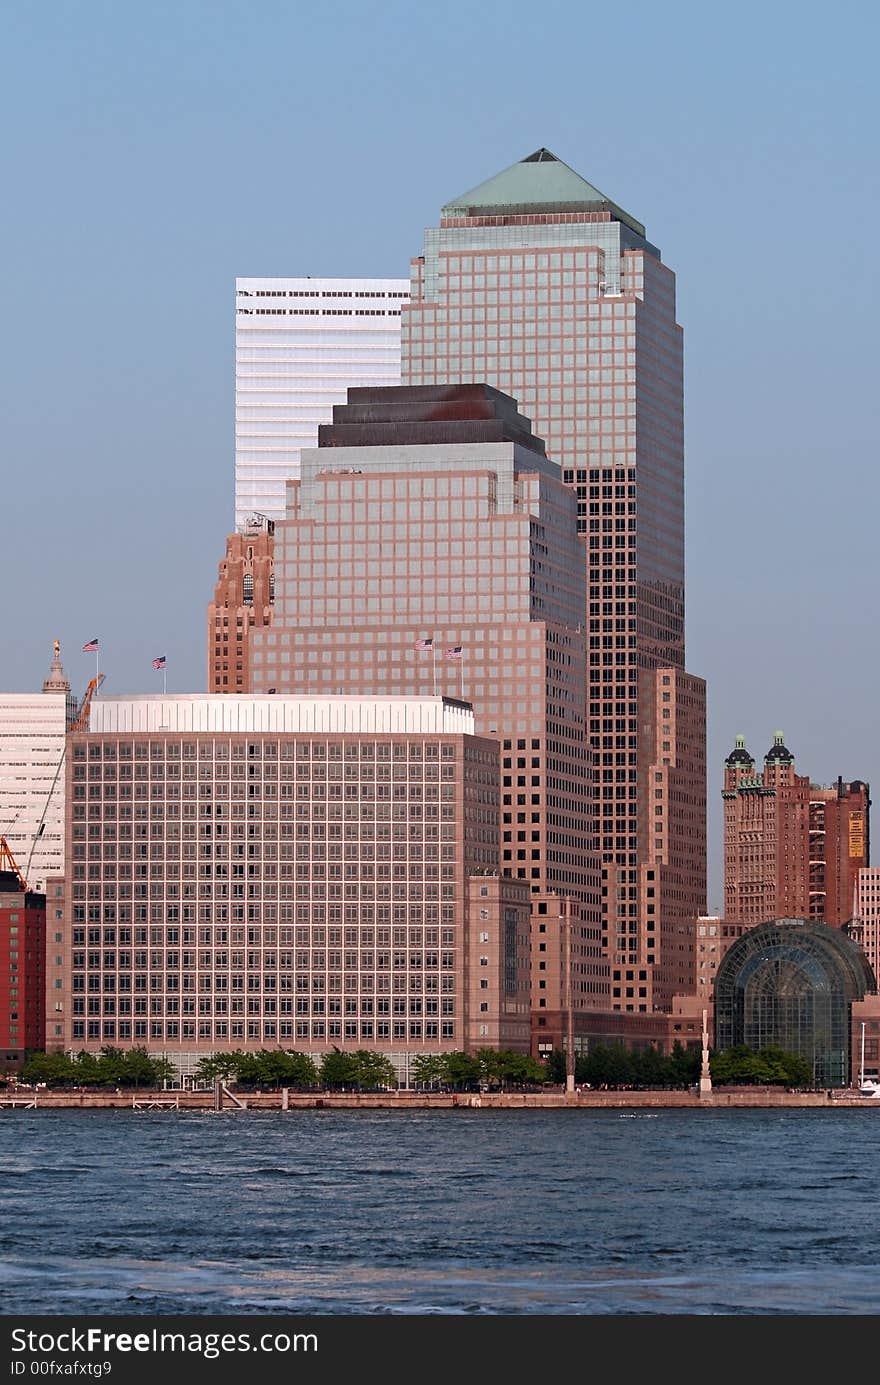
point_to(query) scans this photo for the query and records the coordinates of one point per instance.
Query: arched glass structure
(790, 984)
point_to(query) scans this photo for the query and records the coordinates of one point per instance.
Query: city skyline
(777, 373)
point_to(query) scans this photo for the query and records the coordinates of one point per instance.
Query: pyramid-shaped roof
(541, 182)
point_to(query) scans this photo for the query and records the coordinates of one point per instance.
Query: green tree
(684, 1064)
(741, 1065)
(521, 1070)
(220, 1065)
(555, 1068)
(651, 1068)
(428, 1069)
(610, 1066)
(88, 1069)
(339, 1070)
(374, 1070)
(55, 1069)
(136, 1069)
(462, 1071)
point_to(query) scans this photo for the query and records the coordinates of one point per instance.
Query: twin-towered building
(792, 849)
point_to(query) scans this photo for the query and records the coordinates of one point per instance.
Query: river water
(575, 1212)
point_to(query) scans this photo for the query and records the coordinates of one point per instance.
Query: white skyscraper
(33, 729)
(299, 345)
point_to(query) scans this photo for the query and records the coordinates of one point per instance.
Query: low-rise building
(22, 970)
(308, 872)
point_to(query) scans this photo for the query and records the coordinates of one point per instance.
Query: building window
(247, 589)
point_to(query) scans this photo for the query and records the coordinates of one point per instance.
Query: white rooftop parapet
(236, 714)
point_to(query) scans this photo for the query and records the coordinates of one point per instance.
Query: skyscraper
(299, 343)
(539, 284)
(431, 546)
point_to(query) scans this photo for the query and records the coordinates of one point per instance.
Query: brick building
(22, 970)
(243, 598)
(792, 849)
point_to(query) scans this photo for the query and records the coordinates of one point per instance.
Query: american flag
(425, 644)
(160, 662)
(454, 652)
(90, 647)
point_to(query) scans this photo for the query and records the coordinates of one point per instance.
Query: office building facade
(866, 914)
(299, 344)
(249, 872)
(430, 544)
(538, 284)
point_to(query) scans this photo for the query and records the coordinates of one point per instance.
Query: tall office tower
(243, 597)
(33, 728)
(22, 970)
(792, 849)
(540, 285)
(866, 914)
(299, 344)
(310, 872)
(430, 544)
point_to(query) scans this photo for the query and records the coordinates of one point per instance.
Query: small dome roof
(739, 755)
(778, 751)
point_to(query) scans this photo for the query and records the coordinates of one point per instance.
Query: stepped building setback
(430, 545)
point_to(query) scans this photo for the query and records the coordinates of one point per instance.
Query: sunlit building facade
(540, 285)
(431, 545)
(250, 872)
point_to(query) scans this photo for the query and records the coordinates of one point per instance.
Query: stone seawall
(435, 1101)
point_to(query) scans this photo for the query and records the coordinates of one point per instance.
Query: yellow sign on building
(857, 833)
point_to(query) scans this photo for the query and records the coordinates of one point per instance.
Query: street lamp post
(570, 1058)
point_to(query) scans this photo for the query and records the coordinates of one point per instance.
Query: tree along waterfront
(364, 1070)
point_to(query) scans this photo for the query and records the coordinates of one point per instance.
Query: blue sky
(154, 152)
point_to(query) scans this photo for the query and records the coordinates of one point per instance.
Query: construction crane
(7, 860)
(80, 719)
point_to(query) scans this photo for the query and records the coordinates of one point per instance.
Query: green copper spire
(540, 182)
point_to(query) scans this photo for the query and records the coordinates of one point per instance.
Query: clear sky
(153, 152)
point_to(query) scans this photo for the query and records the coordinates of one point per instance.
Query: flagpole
(434, 661)
(97, 659)
(461, 675)
(164, 679)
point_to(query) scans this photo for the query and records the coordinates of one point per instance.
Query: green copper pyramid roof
(539, 183)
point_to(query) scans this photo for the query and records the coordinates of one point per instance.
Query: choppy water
(447, 1212)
